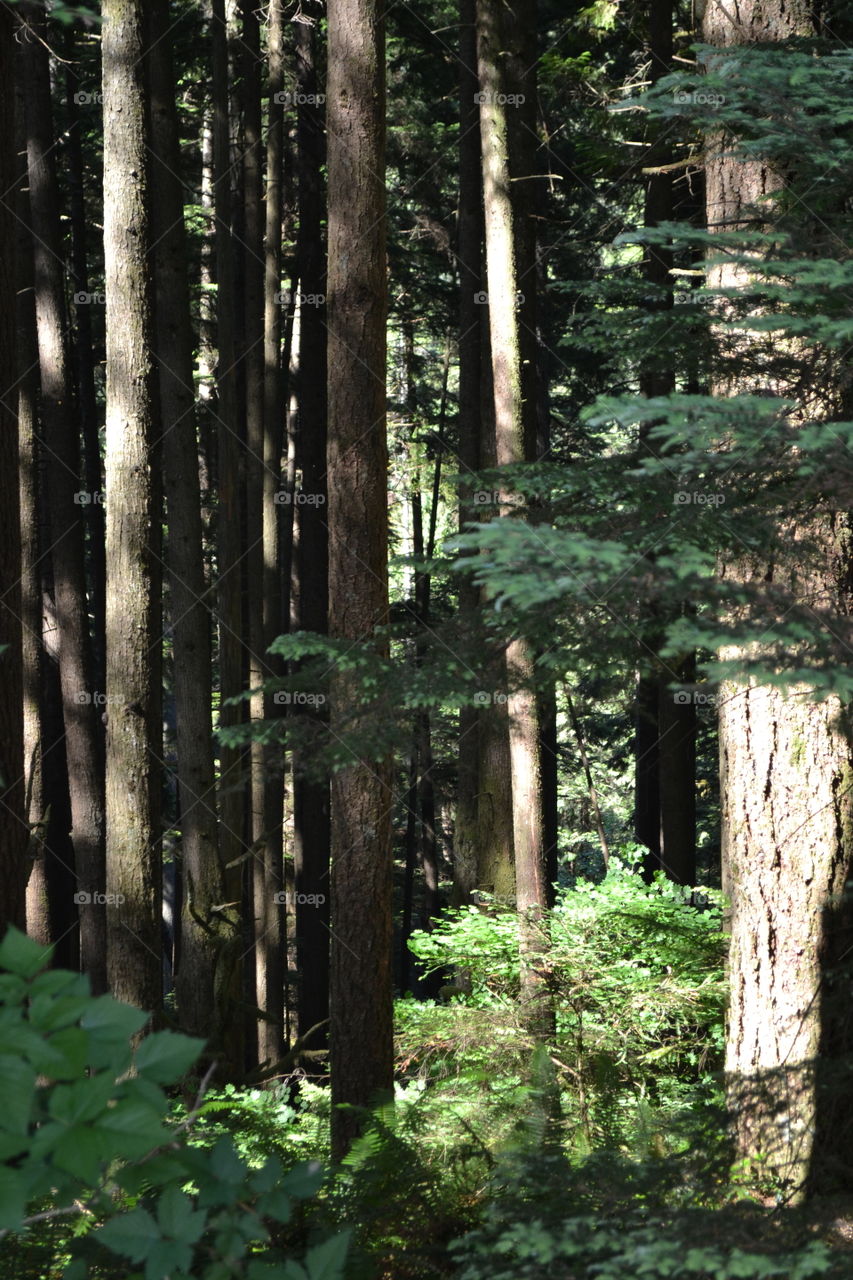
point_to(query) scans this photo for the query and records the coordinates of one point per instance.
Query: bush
(85, 1139)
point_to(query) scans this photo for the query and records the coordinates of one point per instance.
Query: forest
(426, 612)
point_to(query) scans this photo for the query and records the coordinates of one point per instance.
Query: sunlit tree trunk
(786, 766)
(507, 261)
(134, 726)
(361, 1034)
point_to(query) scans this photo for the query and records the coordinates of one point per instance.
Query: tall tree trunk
(786, 768)
(361, 1032)
(66, 499)
(13, 829)
(134, 725)
(311, 818)
(228, 541)
(469, 241)
(207, 928)
(509, 259)
(84, 363)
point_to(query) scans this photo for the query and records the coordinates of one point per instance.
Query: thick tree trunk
(361, 1031)
(13, 829)
(134, 725)
(66, 499)
(786, 766)
(311, 818)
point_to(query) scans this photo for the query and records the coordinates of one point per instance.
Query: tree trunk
(311, 818)
(13, 830)
(206, 929)
(228, 540)
(134, 726)
(507, 263)
(66, 499)
(786, 769)
(469, 255)
(361, 1030)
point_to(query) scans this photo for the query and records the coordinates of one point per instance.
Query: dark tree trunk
(311, 818)
(66, 500)
(13, 830)
(207, 930)
(361, 1030)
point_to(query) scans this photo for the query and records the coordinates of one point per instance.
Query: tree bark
(207, 928)
(311, 814)
(361, 1031)
(786, 771)
(134, 725)
(13, 828)
(66, 499)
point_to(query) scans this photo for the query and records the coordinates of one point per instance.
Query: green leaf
(131, 1234)
(177, 1218)
(17, 1086)
(21, 955)
(165, 1056)
(111, 1022)
(13, 1198)
(326, 1261)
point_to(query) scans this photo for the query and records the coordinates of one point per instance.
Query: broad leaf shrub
(636, 973)
(86, 1141)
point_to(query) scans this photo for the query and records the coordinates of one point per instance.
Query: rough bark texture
(134, 726)
(361, 1039)
(206, 929)
(311, 831)
(786, 776)
(13, 829)
(66, 500)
